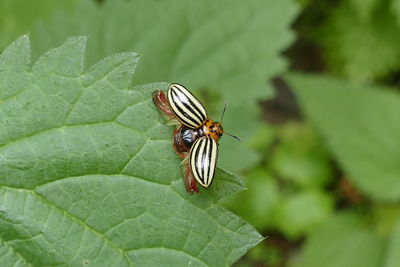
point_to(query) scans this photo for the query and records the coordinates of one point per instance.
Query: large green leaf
(88, 175)
(228, 47)
(361, 126)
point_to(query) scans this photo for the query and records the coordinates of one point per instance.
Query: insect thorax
(213, 129)
(185, 137)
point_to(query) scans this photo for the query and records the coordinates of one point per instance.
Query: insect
(196, 136)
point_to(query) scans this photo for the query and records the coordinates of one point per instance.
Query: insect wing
(203, 160)
(186, 107)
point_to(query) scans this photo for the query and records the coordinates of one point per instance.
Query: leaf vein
(79, 221)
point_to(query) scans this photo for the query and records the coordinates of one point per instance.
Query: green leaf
(300, 213)
(361, 127)
(361, 49)
(258, 204)
(299, 157)
(342, 241)
(229, 48)
(88, 175)
(17, 16)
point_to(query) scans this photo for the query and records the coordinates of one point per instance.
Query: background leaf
(300, 213)
(299, 158)
(87, 173)
(259, 202)
(343, 241)
(361, 127)
(228, 48)
(361, 49)
(16, 16)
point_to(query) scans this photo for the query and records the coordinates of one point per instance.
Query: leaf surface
(88, 175)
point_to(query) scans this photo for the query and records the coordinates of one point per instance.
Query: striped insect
(196, 136)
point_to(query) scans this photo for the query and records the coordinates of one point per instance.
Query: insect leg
(180, 154)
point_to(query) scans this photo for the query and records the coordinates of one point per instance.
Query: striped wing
(203, 160)
(186, 107)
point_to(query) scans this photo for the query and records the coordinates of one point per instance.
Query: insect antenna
(223, 113)
(234, 136)
(222, 117)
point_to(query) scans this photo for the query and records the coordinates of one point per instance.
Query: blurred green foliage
(360, 38)
(345, 241)
(299, 158)
(324, 189)
(361, 127)
(18, 17)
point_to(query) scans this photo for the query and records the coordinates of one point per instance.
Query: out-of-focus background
(312, 88)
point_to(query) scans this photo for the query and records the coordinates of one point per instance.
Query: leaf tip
(123, 66)
(77, 42)
(18, 51)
